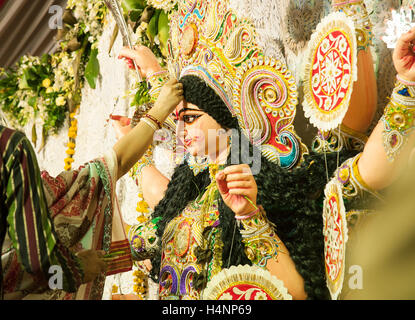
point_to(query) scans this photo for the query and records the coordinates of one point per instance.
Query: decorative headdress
(209, 41)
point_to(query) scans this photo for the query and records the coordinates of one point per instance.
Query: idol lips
(189, 142)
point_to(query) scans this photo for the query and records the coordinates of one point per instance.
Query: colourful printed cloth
(31, 246)
(81, 207)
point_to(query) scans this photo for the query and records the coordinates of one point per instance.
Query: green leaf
(135, 14)
(142, 96)
(45, 59)
(23, 83)
(32, 101)
(129, 5)
(92, 69)
(152, 28)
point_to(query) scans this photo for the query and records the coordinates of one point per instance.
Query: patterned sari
(85, 214)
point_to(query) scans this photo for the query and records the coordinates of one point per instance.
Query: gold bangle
(356, 173)
(356, 10)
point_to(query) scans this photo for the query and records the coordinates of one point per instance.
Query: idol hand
(144, 58)
(238, 188)
(404, 56)
(121, 125)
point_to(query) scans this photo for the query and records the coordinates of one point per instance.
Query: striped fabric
(29, 225)
(122, 261)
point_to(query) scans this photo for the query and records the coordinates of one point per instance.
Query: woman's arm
(363, 102)
(130, 148)
(381, 163)
(153, 192)
(265, 249)
(238, 190)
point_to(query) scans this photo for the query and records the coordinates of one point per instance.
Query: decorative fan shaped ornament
(210, 41)
(335, 237)
(245, 283)
(330, 71)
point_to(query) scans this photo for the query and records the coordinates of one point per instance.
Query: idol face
(200, 134)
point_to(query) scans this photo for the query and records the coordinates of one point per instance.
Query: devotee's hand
(144, 58)
(234, 184)
(170, 96)
(92, 264)
(404, 56)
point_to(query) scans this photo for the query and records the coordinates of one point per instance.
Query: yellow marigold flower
(138, 281)
(72, 135)
(74, 123)
(60, 101)
(46, 83)
(72, 115)
(142, 206)
(141, 219)
(69, 160)
(68, 167)
(71, 145)
(135, 288)
(70, 151)
(114, 288)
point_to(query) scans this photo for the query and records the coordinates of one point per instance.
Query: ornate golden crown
(208, 40)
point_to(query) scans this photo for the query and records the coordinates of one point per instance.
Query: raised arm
(389, 146)
(130, 148)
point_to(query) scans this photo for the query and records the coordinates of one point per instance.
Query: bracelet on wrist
(148, 122)
(405, 82)
(398, 119)
(154, 119)
(247, 216)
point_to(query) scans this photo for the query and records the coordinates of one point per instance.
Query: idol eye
(190, 118)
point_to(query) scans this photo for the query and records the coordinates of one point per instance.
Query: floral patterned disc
(330, 71)
(335, 236)
(245, 283)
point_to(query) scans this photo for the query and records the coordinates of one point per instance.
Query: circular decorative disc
(245, 283)
(330, 71)
(335, 236)
(189, 39)
(182, 239)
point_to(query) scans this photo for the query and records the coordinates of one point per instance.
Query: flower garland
(140, 275)
(72, 134)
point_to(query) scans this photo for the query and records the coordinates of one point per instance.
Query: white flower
(60, 101)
